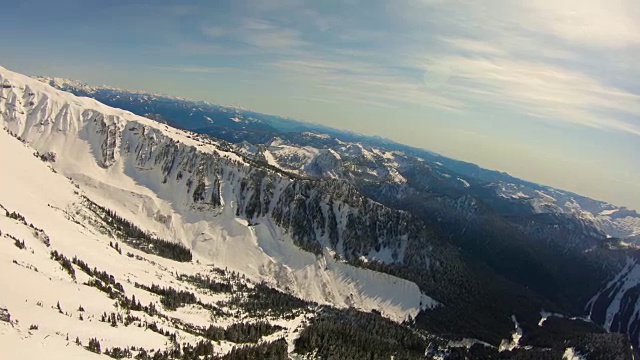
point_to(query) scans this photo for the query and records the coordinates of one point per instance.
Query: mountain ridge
(74, 85)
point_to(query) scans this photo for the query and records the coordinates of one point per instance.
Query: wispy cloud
(549, 92)
(365, 82)
(197, 69)
(610, 24)
(599, 23)
(259, 33)
(538, 58)
(214, 31)
(266, 35)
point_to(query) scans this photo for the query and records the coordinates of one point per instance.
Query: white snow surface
(628, 278)
(37, 284)
(52, 120)
(464, 182)
(572, 354)
(508, 345)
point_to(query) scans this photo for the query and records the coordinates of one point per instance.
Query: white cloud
(601, 23)
(546, 91)
(552, 59)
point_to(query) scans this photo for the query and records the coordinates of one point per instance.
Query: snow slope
(114, 157)
(37, 284)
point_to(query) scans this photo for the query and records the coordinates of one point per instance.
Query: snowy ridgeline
(112, 158)
(611, 220)
(320, 155)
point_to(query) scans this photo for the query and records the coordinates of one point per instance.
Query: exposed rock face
(316, 213)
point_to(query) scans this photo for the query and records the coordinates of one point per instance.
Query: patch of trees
(94, 346)
(64, 262)
(19, 217)
(135, 237)
(17, 242)
(481, 352)
(264, 300)
(46, 157)
(550, 341)
(195, 352)
(118, 353)
(240, 332)
(107, 283)
(105, 288)
(103, 280)
(4, 315)
(15, 216)
(585, 337)
(116, 318)
(202, 350)
(207, 283)
(612, 346)
(116, 247)
(134, 305)
(171, 298)
(158, 330)
(276, 350)
(351, 334)
(555, 330)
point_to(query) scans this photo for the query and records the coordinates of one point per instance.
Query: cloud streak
(197, 69)
(530, 58)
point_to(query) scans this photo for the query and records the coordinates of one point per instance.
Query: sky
(546, 90)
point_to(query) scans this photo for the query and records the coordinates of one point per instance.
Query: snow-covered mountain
(304, 149)
(614, 221)
(175, 185)
(336, 223)
(57, 310)
(188, 187)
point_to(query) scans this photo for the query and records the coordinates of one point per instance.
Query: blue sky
(547, 91)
